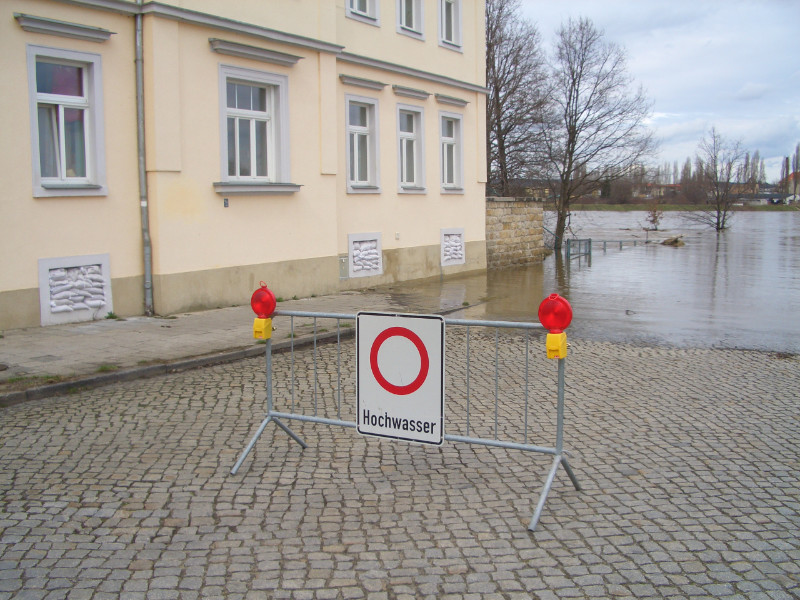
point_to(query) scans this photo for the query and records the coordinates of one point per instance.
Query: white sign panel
(400, 376)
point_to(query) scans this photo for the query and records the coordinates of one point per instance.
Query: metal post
(268, 418)
(560, 408)
(269, 375)
(496, 380)
(559, 459)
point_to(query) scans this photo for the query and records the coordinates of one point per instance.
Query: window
(450, 141)
(362, 144)
(409, 18)
(450, 23)
(66, 122)
(254, 129)
(365, 11)
(411, 163)
(251, 132)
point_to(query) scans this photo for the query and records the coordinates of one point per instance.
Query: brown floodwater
(736, 289)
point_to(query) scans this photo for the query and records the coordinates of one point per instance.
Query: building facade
(168, 156)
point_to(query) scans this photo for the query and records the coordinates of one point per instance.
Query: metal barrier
(472, 416)
(621, 243)
(583, 248)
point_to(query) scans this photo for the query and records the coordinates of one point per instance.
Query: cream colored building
(318, 145)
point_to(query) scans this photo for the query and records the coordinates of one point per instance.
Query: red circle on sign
(400, 390)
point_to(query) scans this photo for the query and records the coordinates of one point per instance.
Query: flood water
(736, 289)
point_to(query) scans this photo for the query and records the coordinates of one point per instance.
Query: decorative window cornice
(184, 15)
(408, 92)
(253, 52)
(33, 24)
(361, 82)
(443, 99)
(198, 18)
(403, 70)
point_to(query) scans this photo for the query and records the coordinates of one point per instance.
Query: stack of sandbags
(366, 256)
(76, 288)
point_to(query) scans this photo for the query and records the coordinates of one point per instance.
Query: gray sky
(734, 64)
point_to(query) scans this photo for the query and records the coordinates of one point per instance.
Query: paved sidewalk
(687, 458)
(107, 351)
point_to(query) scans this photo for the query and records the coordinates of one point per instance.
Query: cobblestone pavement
(689, 462)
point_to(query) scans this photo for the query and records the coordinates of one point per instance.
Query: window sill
(64, 189)
(452, 190)
(241, 188)
(412, 33)
(451, 46)
(363, 18)
(363, 189)
(411, 189)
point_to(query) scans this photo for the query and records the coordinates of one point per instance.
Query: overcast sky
(734, 64)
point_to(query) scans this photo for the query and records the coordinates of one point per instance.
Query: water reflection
(738, 289)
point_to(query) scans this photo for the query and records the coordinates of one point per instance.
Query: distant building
(791, 184)
(318, 145)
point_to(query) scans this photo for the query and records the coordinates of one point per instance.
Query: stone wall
(514, 232)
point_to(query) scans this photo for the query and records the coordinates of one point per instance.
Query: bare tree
(593, 130)
(722, 161)
(515, 78)
(784, 181)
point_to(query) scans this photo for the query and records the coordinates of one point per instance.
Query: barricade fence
(500, 391)
(576, 247)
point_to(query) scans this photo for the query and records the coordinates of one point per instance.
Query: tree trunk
(562, 211)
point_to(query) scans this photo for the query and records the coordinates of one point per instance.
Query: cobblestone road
(689, 462)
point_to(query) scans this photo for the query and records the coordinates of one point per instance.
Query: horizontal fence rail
(577, 247)
(497, 393)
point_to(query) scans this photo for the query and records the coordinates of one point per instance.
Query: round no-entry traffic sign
(400, 376)
(400, 390)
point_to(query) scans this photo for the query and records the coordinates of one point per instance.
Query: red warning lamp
(555, 314)
(263, 302)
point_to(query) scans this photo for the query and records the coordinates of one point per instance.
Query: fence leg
(559, 459)
(252, 443)
(572, 477)
(269, 417)
(543, 496)
(291, 433)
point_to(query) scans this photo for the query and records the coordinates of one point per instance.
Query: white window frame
(94, 181)
(417, 138)
(278, 162)
(417, 28)
(457, 143)
(370, 13)
(454, 41)
(370, 185)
